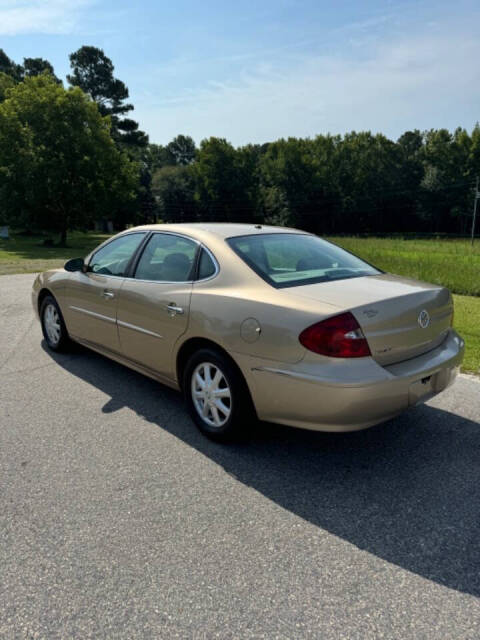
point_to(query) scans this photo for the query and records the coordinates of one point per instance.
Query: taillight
(336, 337)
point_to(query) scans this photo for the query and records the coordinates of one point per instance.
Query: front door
(154, 305)
(93, 296)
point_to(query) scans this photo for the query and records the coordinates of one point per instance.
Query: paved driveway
(119, 520)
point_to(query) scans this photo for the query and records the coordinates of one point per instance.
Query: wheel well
(194, 344)
(43, 294)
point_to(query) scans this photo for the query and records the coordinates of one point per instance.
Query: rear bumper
(347, 395)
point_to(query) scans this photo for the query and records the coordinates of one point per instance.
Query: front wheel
(53, 325)
(217, 396)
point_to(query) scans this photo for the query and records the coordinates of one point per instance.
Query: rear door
(93, 296)
(154, 305)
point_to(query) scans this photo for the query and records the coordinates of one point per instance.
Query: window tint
(288, 259)
(206, 266)
(167, 258)
(114, 257)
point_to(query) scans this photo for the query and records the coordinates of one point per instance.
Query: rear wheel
(53, 325)
(217, 396)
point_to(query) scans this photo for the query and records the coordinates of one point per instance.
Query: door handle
(173, 309)
(108, 294)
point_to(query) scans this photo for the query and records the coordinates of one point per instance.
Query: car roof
(219, 229)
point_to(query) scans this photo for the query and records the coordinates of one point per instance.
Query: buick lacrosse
(253, 321)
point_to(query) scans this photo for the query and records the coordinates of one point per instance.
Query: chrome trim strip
(104, 275)
(93, 314)
(175, 233)
(134, 327)
(162, 281)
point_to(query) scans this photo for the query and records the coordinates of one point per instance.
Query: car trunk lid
(401, 318)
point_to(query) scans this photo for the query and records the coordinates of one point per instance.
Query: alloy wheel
(211, 394)
(51, 320)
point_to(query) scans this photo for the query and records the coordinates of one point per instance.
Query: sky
(256, 71)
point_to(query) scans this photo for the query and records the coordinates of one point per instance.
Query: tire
(228, 390)
(53, 325)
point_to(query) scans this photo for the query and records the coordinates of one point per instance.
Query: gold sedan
(255, 321)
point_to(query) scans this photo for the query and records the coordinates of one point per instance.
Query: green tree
(225, 182)
(444, 193)
(288, 167)
(369, 182)
(157, 156)
(10, 67)
(325, 204)
(30, 67)
(174, 189)
(6, 82)
(36, 66)
(92, 71)
(59, 167)
(274, 204)
(411, 174)
(182, 150)
(473, 162)
(146, 203)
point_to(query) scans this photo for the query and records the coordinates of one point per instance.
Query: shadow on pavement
(407, 491)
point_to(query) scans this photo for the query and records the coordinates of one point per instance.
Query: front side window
(291, 259)
(114, 257)
(167, 258)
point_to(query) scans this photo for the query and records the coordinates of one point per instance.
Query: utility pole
(477, 196)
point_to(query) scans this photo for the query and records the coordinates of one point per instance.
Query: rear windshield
(292, 259)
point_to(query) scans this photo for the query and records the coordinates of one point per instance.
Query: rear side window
(167, 258)
(293, 259)
(206, 266)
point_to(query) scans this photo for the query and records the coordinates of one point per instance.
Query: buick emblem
(424, 319)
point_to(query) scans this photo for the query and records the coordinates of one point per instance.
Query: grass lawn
(26, 254)
(467, 323)
(452, 263)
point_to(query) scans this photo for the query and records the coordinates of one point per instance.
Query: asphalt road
(119, 520)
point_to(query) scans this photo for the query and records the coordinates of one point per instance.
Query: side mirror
(75, 264)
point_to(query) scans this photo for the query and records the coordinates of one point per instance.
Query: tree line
(70, 156)
(356, 183)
